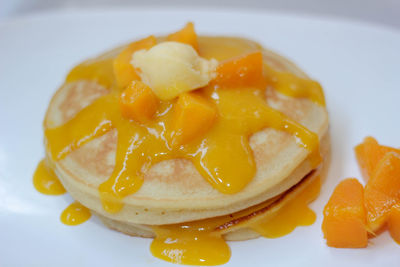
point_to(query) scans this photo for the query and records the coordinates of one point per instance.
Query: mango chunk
(193, 116)
(344, 216)
(369, 153)
(244, 71)
(382, 191)
(138, 102)
(123, 70)
(186, 35)
(394, 223)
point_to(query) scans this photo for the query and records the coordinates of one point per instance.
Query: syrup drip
(75, 214)
(46, 181)
(185, 244)
(295, 213)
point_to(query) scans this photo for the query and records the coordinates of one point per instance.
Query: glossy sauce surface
(202, 242)
(291, 85)
(46, 181)
(190, 245)
(142, 145)
(295, 213)
(75, 214)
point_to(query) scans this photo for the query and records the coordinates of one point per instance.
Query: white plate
(357, 64)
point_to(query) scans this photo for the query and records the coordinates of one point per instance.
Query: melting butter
(171, 68)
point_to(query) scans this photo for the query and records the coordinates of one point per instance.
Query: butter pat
(171, 68)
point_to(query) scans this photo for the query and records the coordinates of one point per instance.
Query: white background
(378, 11)
(357, 64)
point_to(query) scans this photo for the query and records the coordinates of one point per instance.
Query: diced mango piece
(394, 223)
(138, 102)
(193, 116)
(382, 191)
(243, 71)
(186, 35)
(344, 216)
(369, 153)
(123, 70)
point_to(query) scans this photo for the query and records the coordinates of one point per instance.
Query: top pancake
(173, 191)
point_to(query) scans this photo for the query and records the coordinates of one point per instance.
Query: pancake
(173, 190)
(232, 227)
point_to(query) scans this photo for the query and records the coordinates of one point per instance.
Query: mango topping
(186, 35)
(241, 71)
(193, 116)
(138, 102)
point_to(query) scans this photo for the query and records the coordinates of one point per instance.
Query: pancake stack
(173, 190)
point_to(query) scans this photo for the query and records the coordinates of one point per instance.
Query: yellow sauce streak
(291, 85)
(185, 244)
(98, 70)
(295, 213)
(201, 242)
(46, 181)
(222, 155)
(75, 214)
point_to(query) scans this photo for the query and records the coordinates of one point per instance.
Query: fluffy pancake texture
(173, 190)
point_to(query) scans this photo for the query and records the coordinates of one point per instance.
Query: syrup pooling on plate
(46, 181)
(293, 214)
(142, 145)
(190, 244)
(202, 242)
(75, 214)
